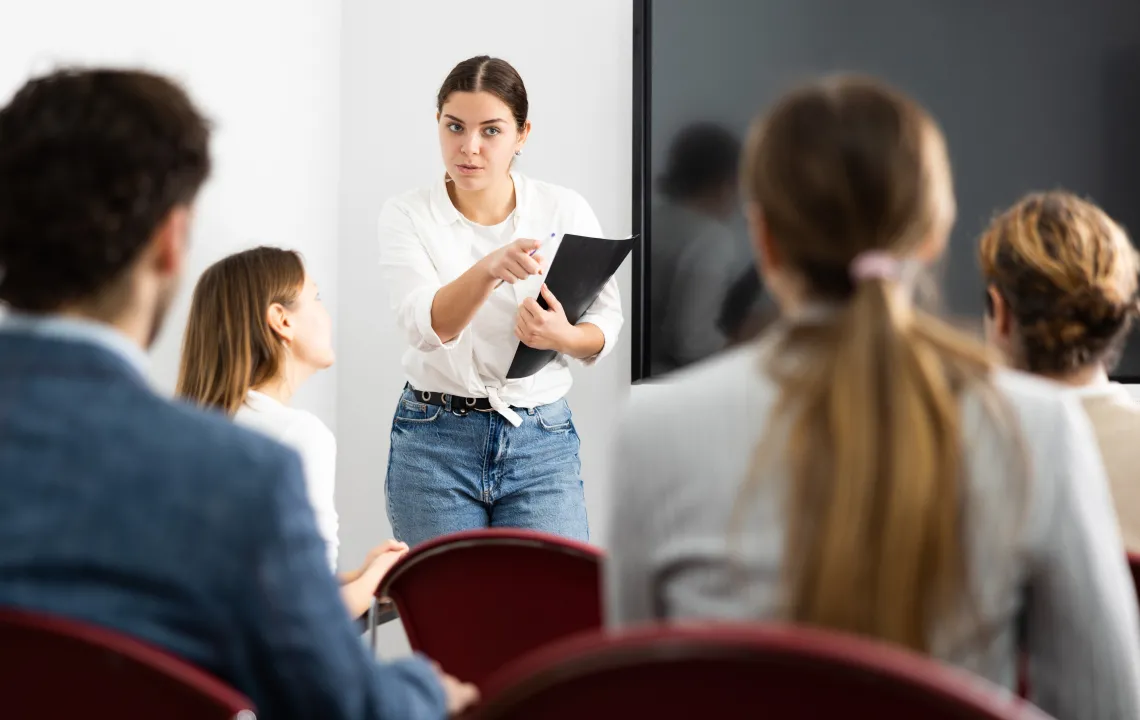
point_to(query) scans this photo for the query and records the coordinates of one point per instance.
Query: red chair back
(475, 600)
(56, 667)
(738, 671)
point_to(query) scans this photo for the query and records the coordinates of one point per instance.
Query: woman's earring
(518, 152)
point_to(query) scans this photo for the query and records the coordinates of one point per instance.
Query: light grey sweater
(1049, 550)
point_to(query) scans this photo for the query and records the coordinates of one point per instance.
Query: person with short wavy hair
(1061, 297)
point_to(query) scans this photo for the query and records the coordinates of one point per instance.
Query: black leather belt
(456, 402)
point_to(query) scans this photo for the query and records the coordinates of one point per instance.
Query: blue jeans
(451, 470)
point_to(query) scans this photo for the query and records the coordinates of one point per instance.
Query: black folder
(581, 267)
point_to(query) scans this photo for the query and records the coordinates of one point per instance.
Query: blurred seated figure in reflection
(695, 256)
(1061, 297)
(746, 310)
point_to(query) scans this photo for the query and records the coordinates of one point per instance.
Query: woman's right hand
(514, 262)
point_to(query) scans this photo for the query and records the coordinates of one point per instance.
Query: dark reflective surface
(1031, 94)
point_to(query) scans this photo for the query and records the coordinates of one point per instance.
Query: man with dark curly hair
(1061, 298)
(118, 507)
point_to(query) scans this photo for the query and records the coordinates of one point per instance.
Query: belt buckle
(458, 409)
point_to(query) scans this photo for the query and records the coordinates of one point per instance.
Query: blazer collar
(54, 344)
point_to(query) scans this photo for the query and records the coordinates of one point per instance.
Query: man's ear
(170, 242)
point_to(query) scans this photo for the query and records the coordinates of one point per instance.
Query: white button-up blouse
(425, 243)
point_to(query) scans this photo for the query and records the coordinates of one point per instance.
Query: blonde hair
(871, 398)
(1068, 273)
(229, 346)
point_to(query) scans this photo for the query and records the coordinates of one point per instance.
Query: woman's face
(311, 328)
(478, 139)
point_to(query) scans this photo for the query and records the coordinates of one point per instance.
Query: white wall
(267, 73)
(394, 57)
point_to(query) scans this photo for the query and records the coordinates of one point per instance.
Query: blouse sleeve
(317, 447)
(629, 574)
(411, 279)
(1083, 643)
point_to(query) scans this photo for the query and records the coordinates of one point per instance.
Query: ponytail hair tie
(875, 265)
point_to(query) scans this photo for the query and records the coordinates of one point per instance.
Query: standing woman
(462, 261)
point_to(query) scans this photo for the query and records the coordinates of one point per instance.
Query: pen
(529, 254)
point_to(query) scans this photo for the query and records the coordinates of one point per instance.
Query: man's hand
(543, 329)
(460, 695)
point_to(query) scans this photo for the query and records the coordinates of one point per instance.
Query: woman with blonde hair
(862, 467)
(257, 331)
(1061, 297)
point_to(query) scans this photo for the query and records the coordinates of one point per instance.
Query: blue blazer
(177, 527)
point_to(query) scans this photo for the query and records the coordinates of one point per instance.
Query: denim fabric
(450, 469)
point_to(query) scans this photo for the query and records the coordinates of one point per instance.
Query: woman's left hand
(543, 329)
(381, 559)
(388, 546)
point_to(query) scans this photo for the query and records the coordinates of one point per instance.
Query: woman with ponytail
(863, 467)
(257, 331)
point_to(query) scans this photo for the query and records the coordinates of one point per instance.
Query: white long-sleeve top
(425, 243)
(1047, 552)
(315, 443)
